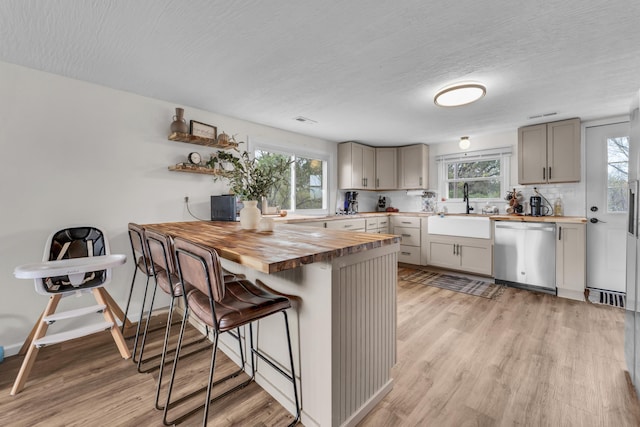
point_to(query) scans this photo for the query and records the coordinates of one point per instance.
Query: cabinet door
(413, 167)
(357, 171)
(476, 257)
(571, 260)
(532, 154)
(345, 166)
(386, 168)
(368, 167)
(563, 151)
(442, 254)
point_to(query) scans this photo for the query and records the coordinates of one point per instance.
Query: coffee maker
(351, 202)
(536, 206)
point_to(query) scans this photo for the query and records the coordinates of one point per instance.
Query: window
(304, 187)
(483, 177)
(618, 173)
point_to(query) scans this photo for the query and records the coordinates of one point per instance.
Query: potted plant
(249, 179)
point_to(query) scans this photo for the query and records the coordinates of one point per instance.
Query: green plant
(248, 177)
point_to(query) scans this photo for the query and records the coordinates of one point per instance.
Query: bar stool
(143, 264)
(161, 254)
(225, 306)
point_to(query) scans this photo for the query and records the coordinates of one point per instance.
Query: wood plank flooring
(524, 359)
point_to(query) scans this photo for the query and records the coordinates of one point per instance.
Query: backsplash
(572, 200)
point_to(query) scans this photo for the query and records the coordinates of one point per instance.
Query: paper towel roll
(415, 192)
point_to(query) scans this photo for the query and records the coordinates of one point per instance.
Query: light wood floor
(522, 359)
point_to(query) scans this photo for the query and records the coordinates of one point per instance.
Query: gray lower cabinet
(460, 253)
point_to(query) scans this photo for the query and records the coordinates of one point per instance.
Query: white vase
(250, 215)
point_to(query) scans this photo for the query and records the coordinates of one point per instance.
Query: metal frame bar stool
(225, 306)
(141, 262)
(161, 254)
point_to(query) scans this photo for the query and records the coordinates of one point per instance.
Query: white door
(607, 160)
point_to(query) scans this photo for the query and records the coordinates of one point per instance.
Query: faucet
(465, 196)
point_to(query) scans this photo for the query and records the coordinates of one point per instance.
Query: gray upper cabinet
(413, 167)
(386, 168)
(356, 166)
(549, 152)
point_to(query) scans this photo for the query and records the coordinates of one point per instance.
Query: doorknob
(595, 221)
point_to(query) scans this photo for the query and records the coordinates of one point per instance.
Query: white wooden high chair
(76, 260)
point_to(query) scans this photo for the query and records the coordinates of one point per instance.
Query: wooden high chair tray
(68, 266)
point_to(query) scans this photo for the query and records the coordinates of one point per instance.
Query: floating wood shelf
(199, 140)
(193, 169)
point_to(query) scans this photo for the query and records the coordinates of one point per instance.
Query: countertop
(297, 219)
(286, 247)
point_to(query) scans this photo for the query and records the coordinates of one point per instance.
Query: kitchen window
(304, 188)
(484, 171)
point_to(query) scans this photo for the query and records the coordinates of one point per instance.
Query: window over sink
(305, 188)
(486, 172)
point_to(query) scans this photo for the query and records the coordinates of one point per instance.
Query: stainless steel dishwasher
(524, 255)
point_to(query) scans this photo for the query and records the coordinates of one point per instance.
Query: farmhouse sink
(460, 225)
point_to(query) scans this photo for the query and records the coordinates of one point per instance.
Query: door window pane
(617, 173)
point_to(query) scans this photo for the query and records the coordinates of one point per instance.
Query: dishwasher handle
(529, 226)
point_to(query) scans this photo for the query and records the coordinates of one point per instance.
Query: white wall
(78, 153)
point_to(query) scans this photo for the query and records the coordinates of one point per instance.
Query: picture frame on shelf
(203, 130)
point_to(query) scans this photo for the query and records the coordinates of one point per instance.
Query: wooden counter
(343, 320)
(286, 247)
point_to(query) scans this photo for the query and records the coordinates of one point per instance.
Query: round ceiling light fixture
(464, 143)
(459, 94)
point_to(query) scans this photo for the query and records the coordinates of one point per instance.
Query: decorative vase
(179, 124)
(250, 215)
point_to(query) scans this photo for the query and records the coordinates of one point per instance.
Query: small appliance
(537, 208)
(224, 208)
(351, 202)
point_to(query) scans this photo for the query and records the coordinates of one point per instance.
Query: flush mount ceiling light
(459, 94)
(464, 143)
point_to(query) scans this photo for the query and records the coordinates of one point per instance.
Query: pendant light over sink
(459, 94)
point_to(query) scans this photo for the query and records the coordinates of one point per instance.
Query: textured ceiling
(363, 70)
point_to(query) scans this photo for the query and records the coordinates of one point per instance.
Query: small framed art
(202, 129)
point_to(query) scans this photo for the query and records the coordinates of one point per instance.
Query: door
(607, 162)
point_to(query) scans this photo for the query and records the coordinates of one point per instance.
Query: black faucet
(465, 196)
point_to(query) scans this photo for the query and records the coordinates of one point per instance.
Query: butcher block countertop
(527, 218)
(284, 248)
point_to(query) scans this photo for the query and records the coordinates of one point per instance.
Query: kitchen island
(343, 324)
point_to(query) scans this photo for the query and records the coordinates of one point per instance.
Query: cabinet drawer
(406, 221)
(408, 236)
(347, 224)
(409, 254)
(372, 223)
(383, 222)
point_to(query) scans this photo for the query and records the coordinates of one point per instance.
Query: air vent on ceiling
(304, 120)
(537, 116)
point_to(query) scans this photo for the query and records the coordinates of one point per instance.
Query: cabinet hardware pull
(420, 180)
(347, 225)
(549, 172)
(405, 253)
(406, 222)
(544, 173)
(406, 235)
(377, 182)
(560, 233)
(454, 249)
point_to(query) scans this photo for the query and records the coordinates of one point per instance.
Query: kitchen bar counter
(343, 322)
(284, 248)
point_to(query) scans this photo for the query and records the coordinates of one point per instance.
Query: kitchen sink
(460, 225)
